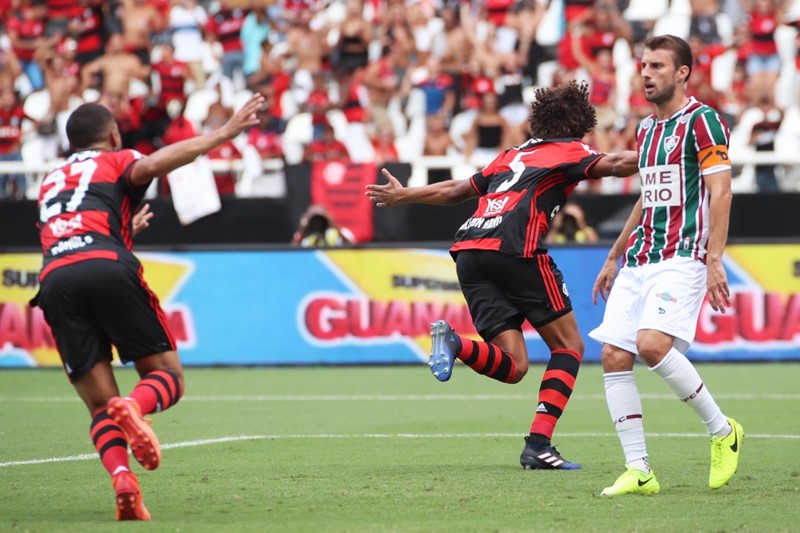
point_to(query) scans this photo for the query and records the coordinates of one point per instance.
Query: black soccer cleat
(544, 457)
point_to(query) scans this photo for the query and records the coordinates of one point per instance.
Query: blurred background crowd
(444, 82)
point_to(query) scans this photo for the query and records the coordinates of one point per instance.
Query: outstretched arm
(621, 164)
(449, 192)
(181, 153)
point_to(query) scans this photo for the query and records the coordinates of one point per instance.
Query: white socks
(681, 376)
(625, 407)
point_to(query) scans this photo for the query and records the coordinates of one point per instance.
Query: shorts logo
(671, 142)
(564, 289)
(666, 297)
(661, 311)
(495, 207)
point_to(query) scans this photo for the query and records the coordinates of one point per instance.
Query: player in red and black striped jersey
(503, 267)
(93, 294)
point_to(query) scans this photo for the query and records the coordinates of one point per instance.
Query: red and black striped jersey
(86, 209)
(520, 193)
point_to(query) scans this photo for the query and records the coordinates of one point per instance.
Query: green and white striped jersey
(674, 154)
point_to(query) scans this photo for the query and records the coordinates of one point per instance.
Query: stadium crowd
(380, 80)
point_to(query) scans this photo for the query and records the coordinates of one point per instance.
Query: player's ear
(114, 138)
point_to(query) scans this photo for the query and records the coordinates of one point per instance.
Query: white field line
(203, 442)
(397, 397)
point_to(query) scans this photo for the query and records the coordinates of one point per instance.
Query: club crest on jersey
(671, 142)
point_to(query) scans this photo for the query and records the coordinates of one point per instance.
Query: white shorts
(665, 296)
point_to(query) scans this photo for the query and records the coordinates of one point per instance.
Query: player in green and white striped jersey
(672, 247)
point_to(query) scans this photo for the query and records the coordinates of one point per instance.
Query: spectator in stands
(254, 35)
(307, 46)
(128, 114)
(113, 71)
(26, 31)
(86, 31)
(383, 84)
(489, 132)
(454, 48)
(172, 76)
(226, 152)
(351, 51)
(266, 136)
(439, 88)
(10, 68)
(11, 116)
(703, 21)
(326, 148)
(383, 143)
(437, 143)
(569, 227)
(763, 61)
(187, 20)
(318, 104)
(59, 13)
(225, 27)
(395, 32)
(603, 85)
(762, 139)
(141, 21)
(318, 229)
(62, 83)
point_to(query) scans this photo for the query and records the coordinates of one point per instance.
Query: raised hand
(244, 117)
(386, 195)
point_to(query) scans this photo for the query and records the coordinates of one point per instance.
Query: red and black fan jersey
(86, 209)
(520, 193)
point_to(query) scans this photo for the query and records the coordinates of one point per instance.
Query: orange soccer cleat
(140, 436)
(130, 505)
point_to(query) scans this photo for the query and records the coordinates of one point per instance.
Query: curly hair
(561, 112)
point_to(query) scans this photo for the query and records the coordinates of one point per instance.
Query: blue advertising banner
(375, 306)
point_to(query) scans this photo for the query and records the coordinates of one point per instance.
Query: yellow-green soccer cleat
(633, 481)
(725, 455)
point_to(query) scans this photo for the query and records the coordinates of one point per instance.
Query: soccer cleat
(725, 455)
(141, 438)
(633, 481)
(444, 350)
(544, 457)
(130, 505)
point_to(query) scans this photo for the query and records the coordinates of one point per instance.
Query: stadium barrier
(374, 305)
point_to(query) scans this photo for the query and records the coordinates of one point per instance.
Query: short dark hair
(88, 124)
(562, 111)
(681, 51)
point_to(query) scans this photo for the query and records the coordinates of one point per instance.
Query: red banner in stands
(340, 188)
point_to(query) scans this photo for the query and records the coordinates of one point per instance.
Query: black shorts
(502, 290)
(93, 304)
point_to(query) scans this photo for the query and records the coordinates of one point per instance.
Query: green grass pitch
(379, 449)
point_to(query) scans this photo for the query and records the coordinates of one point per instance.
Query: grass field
(390, 449)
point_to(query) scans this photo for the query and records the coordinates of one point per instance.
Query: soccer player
(93, 294)
(501, 258)
(672, 247)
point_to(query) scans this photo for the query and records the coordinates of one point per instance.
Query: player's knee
(653, 346)
(615, 359)
(520, 369)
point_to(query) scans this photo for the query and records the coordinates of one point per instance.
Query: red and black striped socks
(157, 391)
(487, 359)
(558, 382)
(110, 442)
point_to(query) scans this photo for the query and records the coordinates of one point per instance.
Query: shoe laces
(716, 451)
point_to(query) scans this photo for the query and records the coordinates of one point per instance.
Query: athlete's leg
(566, 352)
(161, 385)
(657, 350)
(96, 388)
(493, 359)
